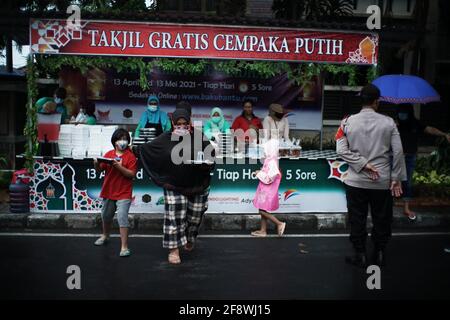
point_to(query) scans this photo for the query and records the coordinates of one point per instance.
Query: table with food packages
(311, 179)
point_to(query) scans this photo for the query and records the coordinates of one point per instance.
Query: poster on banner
(307, 186)
(119, 98)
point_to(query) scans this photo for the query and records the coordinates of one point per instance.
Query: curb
(320, 222)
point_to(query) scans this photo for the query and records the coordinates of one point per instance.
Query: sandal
(281, 229)
(189, 246)
(174, 258)
(125, 253)
(258, 233)
(411, 216)
(101, 241)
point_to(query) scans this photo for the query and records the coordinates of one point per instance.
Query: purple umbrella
(405, 89)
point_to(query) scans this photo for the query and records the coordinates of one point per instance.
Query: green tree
(231, 8)
(15, 8)
(311, 9)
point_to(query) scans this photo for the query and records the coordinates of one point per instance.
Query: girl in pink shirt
(266, 197)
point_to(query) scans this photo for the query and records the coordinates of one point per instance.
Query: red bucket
(48, 126)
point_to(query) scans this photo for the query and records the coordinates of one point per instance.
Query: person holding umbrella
(403, 90)
(410, 128)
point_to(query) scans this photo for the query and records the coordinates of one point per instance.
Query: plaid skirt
(182, 218)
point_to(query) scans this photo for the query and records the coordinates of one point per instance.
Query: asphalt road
(34, 267)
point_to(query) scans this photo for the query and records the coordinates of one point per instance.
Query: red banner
(201, 41)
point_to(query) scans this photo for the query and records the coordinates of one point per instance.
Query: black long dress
(186, 178)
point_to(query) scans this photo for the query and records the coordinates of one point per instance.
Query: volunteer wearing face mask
(410, 128)
(46, 105)
(59, 96)
(186, 185)
(117, 188)
(275, 125)
(217, 124)
(89, 107)
(86, 114)
(153, 117)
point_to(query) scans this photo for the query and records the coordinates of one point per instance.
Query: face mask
(403, 116)
(58, 100)
(279, 115)
(122, 144)
(152, 108)
(181, 130)
(216, 120)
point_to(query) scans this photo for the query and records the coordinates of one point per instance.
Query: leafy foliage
(438, 160)
(312, 9)
(299, 73)
(432, 174)
(30, 129)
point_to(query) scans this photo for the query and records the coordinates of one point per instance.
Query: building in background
(413, 40)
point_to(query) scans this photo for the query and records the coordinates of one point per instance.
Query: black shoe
(359, 260)
(379, 258)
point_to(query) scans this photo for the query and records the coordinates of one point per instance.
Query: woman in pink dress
(266, 197)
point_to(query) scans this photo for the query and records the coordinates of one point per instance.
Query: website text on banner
(120, 100)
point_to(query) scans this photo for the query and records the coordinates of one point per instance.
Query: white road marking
(300, 235)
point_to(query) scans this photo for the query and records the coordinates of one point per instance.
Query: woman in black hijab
(169, 161)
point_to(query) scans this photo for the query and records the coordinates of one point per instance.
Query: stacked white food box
(290, 148)
(65, 140)
(80, 137)
(96, 142)
(81, 141)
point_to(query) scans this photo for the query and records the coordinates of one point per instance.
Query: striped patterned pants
(182, 218)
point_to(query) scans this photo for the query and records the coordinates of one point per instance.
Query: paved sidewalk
(438, 217)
